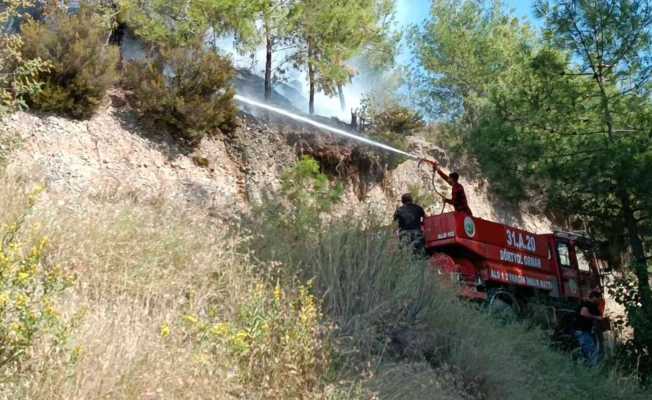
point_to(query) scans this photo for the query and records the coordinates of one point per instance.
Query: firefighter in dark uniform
(586, 329)
(458, 196)
(410, 219)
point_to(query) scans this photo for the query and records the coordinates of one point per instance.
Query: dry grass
(142, 270)
(378, 295)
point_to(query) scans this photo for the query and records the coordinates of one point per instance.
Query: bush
(19, 77)
(310, 193)
(388, 115)
(387, 121)
(186, 90)
(635, 353)
(83, 64)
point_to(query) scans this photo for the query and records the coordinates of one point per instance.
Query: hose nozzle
(434, 163)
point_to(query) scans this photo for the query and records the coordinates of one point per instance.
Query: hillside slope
(167, 303)
(111, 154)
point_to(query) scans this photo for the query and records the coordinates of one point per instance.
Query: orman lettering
(516, 258)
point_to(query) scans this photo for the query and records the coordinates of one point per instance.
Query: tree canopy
(331, 33)
(563, 117)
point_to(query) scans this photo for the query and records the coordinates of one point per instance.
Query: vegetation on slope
(186, 90)
(163, 304)
(571, 111)
(83, 63)
(19, 77)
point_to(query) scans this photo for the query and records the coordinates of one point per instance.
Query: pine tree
(564, 119)
(274, 33)
(331, 33)
(177, 23)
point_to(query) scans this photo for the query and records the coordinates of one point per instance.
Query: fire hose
(434, 165)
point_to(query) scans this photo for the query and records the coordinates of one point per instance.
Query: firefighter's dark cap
(455, 176)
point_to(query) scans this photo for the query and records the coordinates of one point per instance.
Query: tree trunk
(640, 324)
(641, 333)
(340, 92)
(635, 241)
(638, 251)
(311, 78)
(268, 66)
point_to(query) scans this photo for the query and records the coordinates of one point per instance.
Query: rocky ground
(112, 155)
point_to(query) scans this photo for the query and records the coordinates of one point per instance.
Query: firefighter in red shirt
(458, 197)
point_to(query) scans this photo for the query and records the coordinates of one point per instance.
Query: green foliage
(309, 193)
(385, 119)
(83, 64)
(277, 341)
(389, 115)
(173, 23)
(567, 116)
(625, 292)
(297, 211)
(29, 289)
(19, 76)
(466, 49)
(330, 34)
(187, 90)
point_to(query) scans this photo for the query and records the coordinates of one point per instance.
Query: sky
(411, 12)
(414, 11)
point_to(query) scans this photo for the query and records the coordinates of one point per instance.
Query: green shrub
(83, 64)
(387, 121)
(186, 90)
(310, 193)
(381, 113)
(297, 213)
(635, 352)
(19, 76)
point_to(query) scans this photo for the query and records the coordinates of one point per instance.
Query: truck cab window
(564, 254)
(582, 261)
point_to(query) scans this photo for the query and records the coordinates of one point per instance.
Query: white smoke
(324, 105)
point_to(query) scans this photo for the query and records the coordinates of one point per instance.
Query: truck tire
(503, 304)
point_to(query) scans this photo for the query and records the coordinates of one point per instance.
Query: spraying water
(323, 126)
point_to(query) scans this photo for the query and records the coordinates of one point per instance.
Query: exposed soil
(112, 154)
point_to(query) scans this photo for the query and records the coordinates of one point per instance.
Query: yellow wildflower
(278, 293)
(221, 329)
(165, 330)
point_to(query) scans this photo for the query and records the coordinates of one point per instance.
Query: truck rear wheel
(503, 304)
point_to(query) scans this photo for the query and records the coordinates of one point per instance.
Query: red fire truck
(497, 263)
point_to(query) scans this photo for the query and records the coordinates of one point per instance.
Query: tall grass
(146, 276)
(167, 304)
(379, 295)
